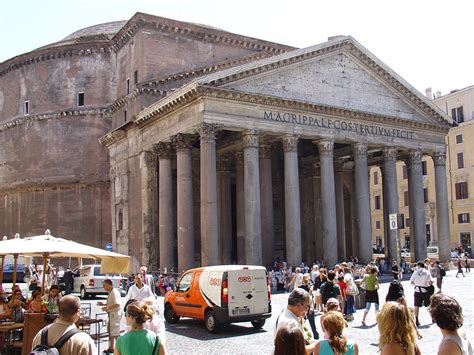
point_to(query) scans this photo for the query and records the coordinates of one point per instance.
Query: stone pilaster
(442, 214)
(164, 150)
(185, 209)
(390, 190)
(341, 226)
(266, 200)
(328, 201)
(240, 206)
(210, 248)
(417, 206)
(224, 208)
(363, 202)
(253, 228)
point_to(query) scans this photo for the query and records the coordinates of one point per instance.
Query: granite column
(417, 206)
(390, 190)
(266, 200)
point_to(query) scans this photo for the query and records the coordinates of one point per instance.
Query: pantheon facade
(223, 148)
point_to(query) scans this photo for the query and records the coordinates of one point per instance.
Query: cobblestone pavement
(190, 337)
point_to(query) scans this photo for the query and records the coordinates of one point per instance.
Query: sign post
(108, 246)
(393, 221)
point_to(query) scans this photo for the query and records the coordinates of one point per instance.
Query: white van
(89, 281)
(221, 294)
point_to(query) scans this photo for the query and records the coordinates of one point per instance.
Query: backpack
(45, 349)
(329, 291)
(442, 271)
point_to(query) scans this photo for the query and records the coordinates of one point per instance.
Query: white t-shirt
(421, 278)
(139, 294)
(285, 318)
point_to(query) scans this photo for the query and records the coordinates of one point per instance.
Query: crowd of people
(330, 294)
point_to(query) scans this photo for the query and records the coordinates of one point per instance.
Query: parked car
(89, 281)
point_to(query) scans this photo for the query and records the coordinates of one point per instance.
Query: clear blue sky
(429, 43)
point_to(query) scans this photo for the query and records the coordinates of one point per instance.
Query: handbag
(352, 290)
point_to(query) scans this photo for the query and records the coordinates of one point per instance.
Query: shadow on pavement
(195, 329)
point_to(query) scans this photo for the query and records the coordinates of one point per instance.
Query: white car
(89, 281)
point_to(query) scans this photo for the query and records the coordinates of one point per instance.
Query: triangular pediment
(341, 74)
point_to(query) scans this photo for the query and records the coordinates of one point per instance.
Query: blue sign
(108, 246)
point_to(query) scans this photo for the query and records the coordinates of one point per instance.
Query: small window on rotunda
(127, 87)
(80, 99)
(26, 108)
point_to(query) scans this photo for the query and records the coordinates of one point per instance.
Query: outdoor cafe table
(8, 329)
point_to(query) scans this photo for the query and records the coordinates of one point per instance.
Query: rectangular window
(405, 172)
(457, 114)
(464, 218)
(458, 138)
(425, 195)
(26, 108)
(461, 190)
(424, 168)
(80, 99)
(377, 202)
(405, 198)
(125, 115)
(407, 222)
(377, 224)
(135, 77)
(376, 178)
(127, 87)
(460, 157)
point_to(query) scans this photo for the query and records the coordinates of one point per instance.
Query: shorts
(422, 299)
(113, 325)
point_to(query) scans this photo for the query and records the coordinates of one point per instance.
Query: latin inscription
(337, 124)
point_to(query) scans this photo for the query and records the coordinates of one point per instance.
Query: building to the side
(458, 105)
(214, 147)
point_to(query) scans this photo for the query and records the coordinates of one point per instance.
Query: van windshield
(97, 272)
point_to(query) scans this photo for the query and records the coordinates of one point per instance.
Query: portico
(271, 159)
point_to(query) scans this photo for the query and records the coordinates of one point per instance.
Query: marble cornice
(192, 31)
(112, 137)
(122, 101)
(21, 120)
(179, 99)
(45, 54)
(51, 186)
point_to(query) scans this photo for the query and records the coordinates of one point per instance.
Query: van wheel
(170, 315)
(258, 323)
(211, 322)
(83, 293)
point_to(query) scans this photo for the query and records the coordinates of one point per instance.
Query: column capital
(414, 157)
(183, 141)
(224, 163)
(390, 153)
(439, 159)
(164, 150)
(207, 132)
(325, 147)
(359, 150)
(290, 143)
(266, 151)
(251, 138)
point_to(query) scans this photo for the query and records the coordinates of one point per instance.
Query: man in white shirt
(422, 281)
(298, 303)
(139, 291)
(69, 313)
(114, 309)
(147, 278)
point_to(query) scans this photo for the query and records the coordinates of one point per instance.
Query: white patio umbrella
(47, 246)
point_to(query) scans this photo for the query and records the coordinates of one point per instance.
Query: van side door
(184, 301)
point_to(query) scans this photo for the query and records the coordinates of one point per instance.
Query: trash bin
(360, 298)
